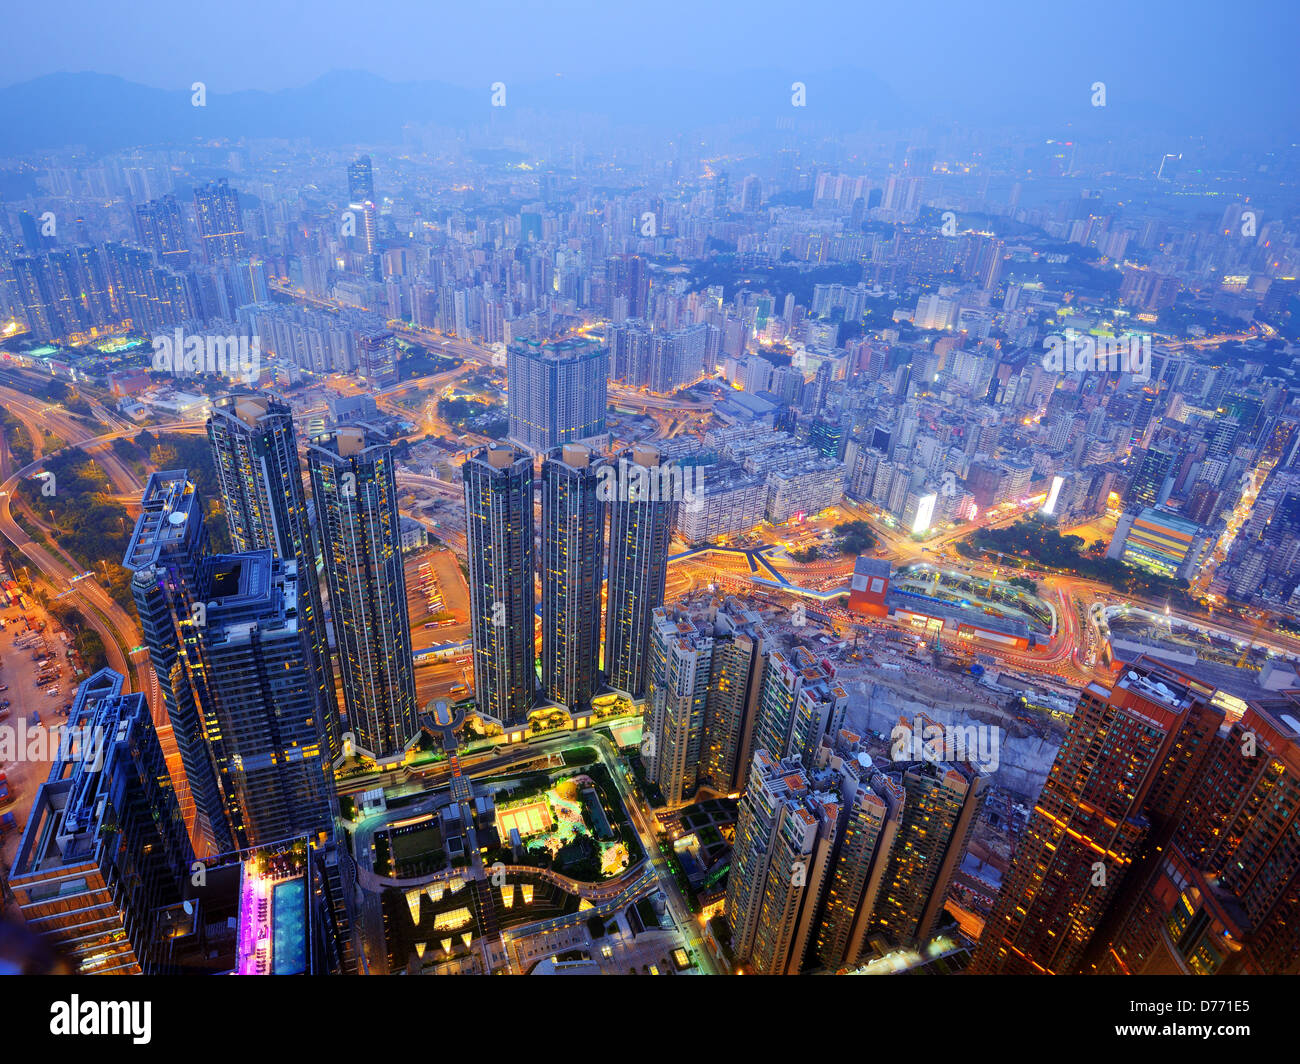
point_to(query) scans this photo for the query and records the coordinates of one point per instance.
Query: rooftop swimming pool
(289, 933)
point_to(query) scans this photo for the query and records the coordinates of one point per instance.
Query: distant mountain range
(104, 112)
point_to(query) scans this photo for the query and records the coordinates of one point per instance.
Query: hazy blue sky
(1242, 54)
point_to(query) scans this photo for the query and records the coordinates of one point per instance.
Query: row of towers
(582, 494)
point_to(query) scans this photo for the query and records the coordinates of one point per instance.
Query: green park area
(570, 821)
(561, 828)
(1040, 543)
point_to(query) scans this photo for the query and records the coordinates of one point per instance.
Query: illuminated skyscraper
(627, 282)
(639, 531)
(871, 805)
(167, 546)
(820, 852)
(256, 459)
(377, 358)
(499, 531)
(705, 672)
(1147, 486)
(799, 703)
(740, 648)
(785, 833)
(33, 290)
(573, 537)
(630, 345)
(221, 222)
(1118, 781)
(162, 231)
(677, 699)
(555, 392)
(1223, 897)
(236, 673)
(255, 453)
(105, 849)
(361, 180)
(941, 802)
(354, 491)
(251, 665)
(1164, 840)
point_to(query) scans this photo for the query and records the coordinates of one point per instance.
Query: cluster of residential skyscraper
(944, 408)
(842, 338)
(574, 566)
(1164, 840)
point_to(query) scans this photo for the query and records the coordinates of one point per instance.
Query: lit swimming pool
(289, 951)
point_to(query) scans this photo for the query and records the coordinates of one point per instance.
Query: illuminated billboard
(1049, 507)
(924, 512)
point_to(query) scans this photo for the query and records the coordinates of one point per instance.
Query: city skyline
(732, 491)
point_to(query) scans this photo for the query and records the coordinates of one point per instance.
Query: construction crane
(1262, 620)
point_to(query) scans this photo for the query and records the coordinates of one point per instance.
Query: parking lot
(37, 692)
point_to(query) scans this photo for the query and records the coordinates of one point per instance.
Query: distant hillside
(104, 112)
